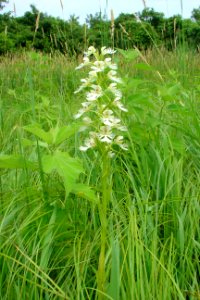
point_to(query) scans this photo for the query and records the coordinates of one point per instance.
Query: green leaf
(40, 133)
(178, 145)
(46, 249)
(129, 55)
(63, 133)
(67, 167)
(143, 66)
(181, 234)
(134, 82)
(170, 92)
(55, 135)
(84, 191)
(9, 218)
(114, 286)
(30, 143)
(177, 108)
(15, 162)
(140, 99)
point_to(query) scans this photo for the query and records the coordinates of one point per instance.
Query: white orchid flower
(99, 111)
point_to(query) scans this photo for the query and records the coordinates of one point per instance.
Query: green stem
(106, 189)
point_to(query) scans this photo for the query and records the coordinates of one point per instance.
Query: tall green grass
(49, 250)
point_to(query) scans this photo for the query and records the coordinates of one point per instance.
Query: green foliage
(67, 167)
(41, 32)
(15, 162)
(156, 19)
(37, 30)
(55, 136)
(196, 14)
(49, 243)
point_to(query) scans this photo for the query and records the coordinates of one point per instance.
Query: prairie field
(51, 211)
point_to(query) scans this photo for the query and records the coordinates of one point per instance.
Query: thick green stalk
(106, 193)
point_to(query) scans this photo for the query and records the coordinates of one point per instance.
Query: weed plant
(50, 229)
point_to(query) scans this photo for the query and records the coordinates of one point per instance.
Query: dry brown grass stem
(175, 37)
(124, 30)
(144, 3)
(146, 62)
(37, 22)
(181, 1)
(112, 23)
(61, 4)
(14, 9)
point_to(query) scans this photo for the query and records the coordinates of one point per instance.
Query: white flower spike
(102, 108)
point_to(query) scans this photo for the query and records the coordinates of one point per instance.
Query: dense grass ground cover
(50, 240)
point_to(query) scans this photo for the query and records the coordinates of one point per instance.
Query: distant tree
(2, 3)
(130, 32)
(93, 20)
(191, 32)
(124, 18)
(99, 30)
(149, 15)
(196, 14)
(173, 32)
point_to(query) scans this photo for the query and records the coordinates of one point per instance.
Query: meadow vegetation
(54, 226)
(50, 227)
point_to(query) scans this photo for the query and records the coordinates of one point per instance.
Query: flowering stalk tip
(101, 109)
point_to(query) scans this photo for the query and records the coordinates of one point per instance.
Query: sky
(81, 8)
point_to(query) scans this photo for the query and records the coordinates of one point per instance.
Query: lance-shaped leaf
(60, 134)
(84, 191)
(67, 167)
(40, 133)
(129, 55)
(15, 162)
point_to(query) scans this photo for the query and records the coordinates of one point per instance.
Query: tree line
(39, 31)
